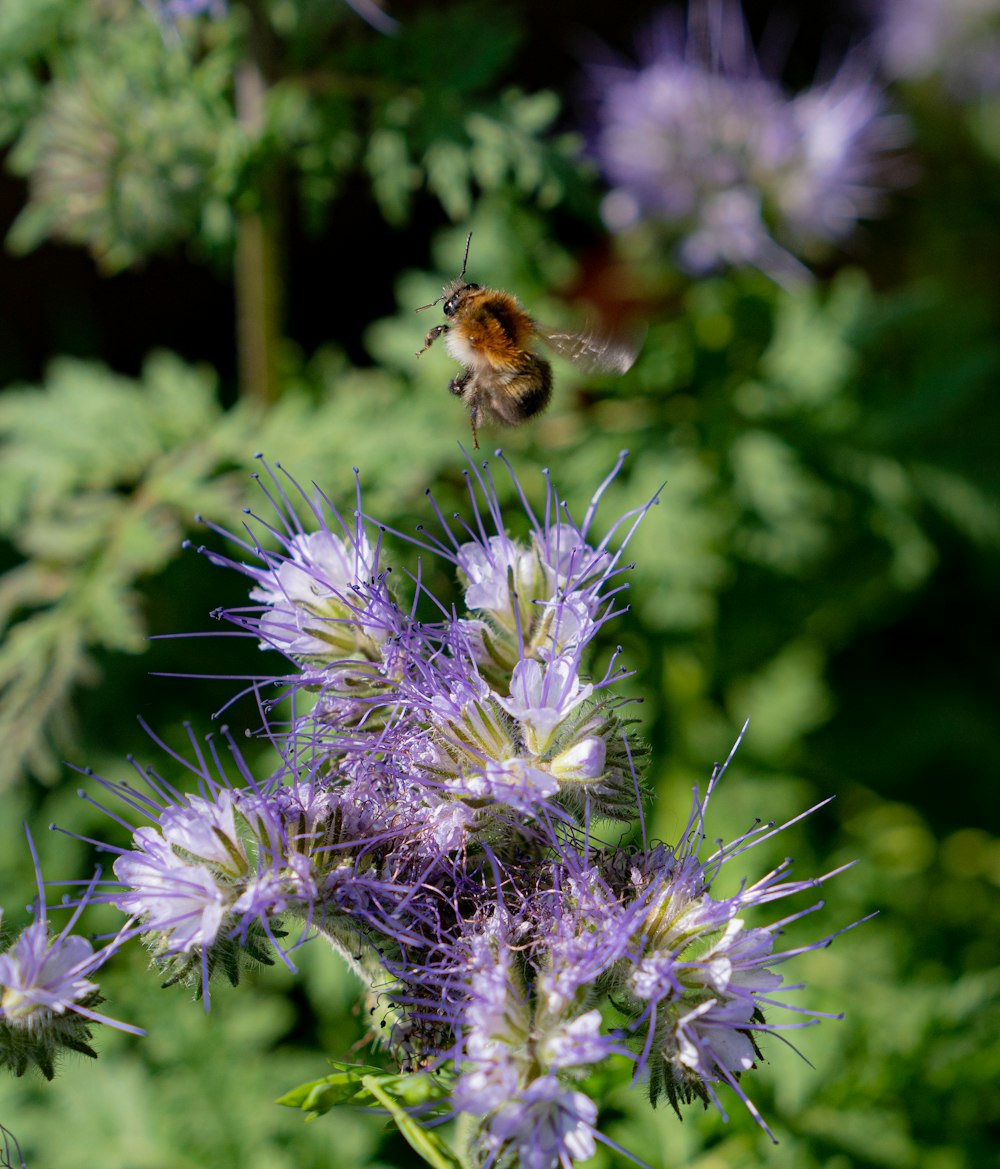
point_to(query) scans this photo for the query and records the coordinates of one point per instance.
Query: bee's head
(455, 295)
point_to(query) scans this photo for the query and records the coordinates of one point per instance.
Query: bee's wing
(592, 350)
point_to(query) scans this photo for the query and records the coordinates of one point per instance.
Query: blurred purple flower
(169, 11)
(957, 41)
(699, 139)
(371, 11)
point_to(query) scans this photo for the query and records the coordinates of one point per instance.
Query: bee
(489, 333)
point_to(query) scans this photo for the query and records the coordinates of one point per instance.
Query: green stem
(257, 312)
(257, 275)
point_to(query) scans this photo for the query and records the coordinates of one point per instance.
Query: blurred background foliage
(218, 226)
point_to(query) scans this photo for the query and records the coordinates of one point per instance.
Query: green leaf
(379, 1091)
(346, 1084)
(427, 1143)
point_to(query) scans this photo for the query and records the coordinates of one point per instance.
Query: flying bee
(489, 333)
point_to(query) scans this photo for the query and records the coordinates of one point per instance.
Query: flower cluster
(699, 139)
(439, 814)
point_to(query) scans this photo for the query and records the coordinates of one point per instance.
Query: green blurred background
(217, 231)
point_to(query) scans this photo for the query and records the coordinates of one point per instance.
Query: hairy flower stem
(364, 961)
(466, 1127)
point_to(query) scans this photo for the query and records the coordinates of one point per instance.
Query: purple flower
(496, 1023)
(541, 698)
(548, 1124)
(560, 581)
(208, 872)
(697, 138)
(514, 782)
(489, 567)
(519, 1059)
(315, 604)
(584, 930)
(47, 996)
(370, 11)
(957, 41)
(181, 901)
(41, 974)
(323, 601)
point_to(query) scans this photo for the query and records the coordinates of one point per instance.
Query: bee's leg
(473, 420)
(431, 337)
(458, 383)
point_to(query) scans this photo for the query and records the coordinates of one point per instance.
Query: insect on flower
(489, 333)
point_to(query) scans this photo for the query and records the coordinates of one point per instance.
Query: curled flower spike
(209, 886)
(324, 601)
(700, 980)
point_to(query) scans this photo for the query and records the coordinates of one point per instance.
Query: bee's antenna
(461, 276)
(465, 262)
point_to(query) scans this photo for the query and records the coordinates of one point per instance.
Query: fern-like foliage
(96, 473)
(133, 142)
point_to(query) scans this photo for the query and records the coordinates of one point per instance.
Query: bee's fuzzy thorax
(489, 329)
